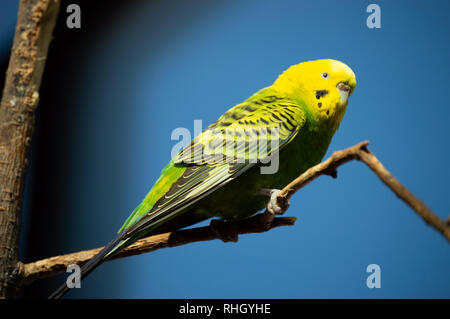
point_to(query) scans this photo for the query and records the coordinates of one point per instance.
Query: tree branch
(54, 265)
(361, 152)
(35, 23)
(258, 223)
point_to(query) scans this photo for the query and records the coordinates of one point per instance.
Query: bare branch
(361, 152)
(258, 223)
(36, 19)
(54, 265)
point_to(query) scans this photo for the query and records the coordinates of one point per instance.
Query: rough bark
(33, 33)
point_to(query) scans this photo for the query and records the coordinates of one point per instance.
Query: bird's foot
(224, 230)
(272, 206)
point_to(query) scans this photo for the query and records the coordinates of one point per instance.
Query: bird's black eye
(325, 75)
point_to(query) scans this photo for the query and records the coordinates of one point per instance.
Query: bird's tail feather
(93, 263)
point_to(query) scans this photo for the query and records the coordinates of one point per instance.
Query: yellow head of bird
(323, 86)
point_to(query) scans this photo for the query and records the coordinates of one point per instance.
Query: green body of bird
(296, 119)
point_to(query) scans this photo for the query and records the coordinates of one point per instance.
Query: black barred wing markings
(249, 139)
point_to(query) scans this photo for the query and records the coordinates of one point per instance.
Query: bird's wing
(209, 162)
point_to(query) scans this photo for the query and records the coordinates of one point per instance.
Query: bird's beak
(345, 90)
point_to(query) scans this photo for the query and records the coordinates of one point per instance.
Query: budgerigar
(296, 118)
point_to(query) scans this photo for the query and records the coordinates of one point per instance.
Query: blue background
(155, 66)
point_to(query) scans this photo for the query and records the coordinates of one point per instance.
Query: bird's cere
(343, 87)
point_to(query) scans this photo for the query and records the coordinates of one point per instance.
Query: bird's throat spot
(321, 93)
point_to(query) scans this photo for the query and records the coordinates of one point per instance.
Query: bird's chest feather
(306, 150)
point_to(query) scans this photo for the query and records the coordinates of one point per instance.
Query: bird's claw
(272, 206)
